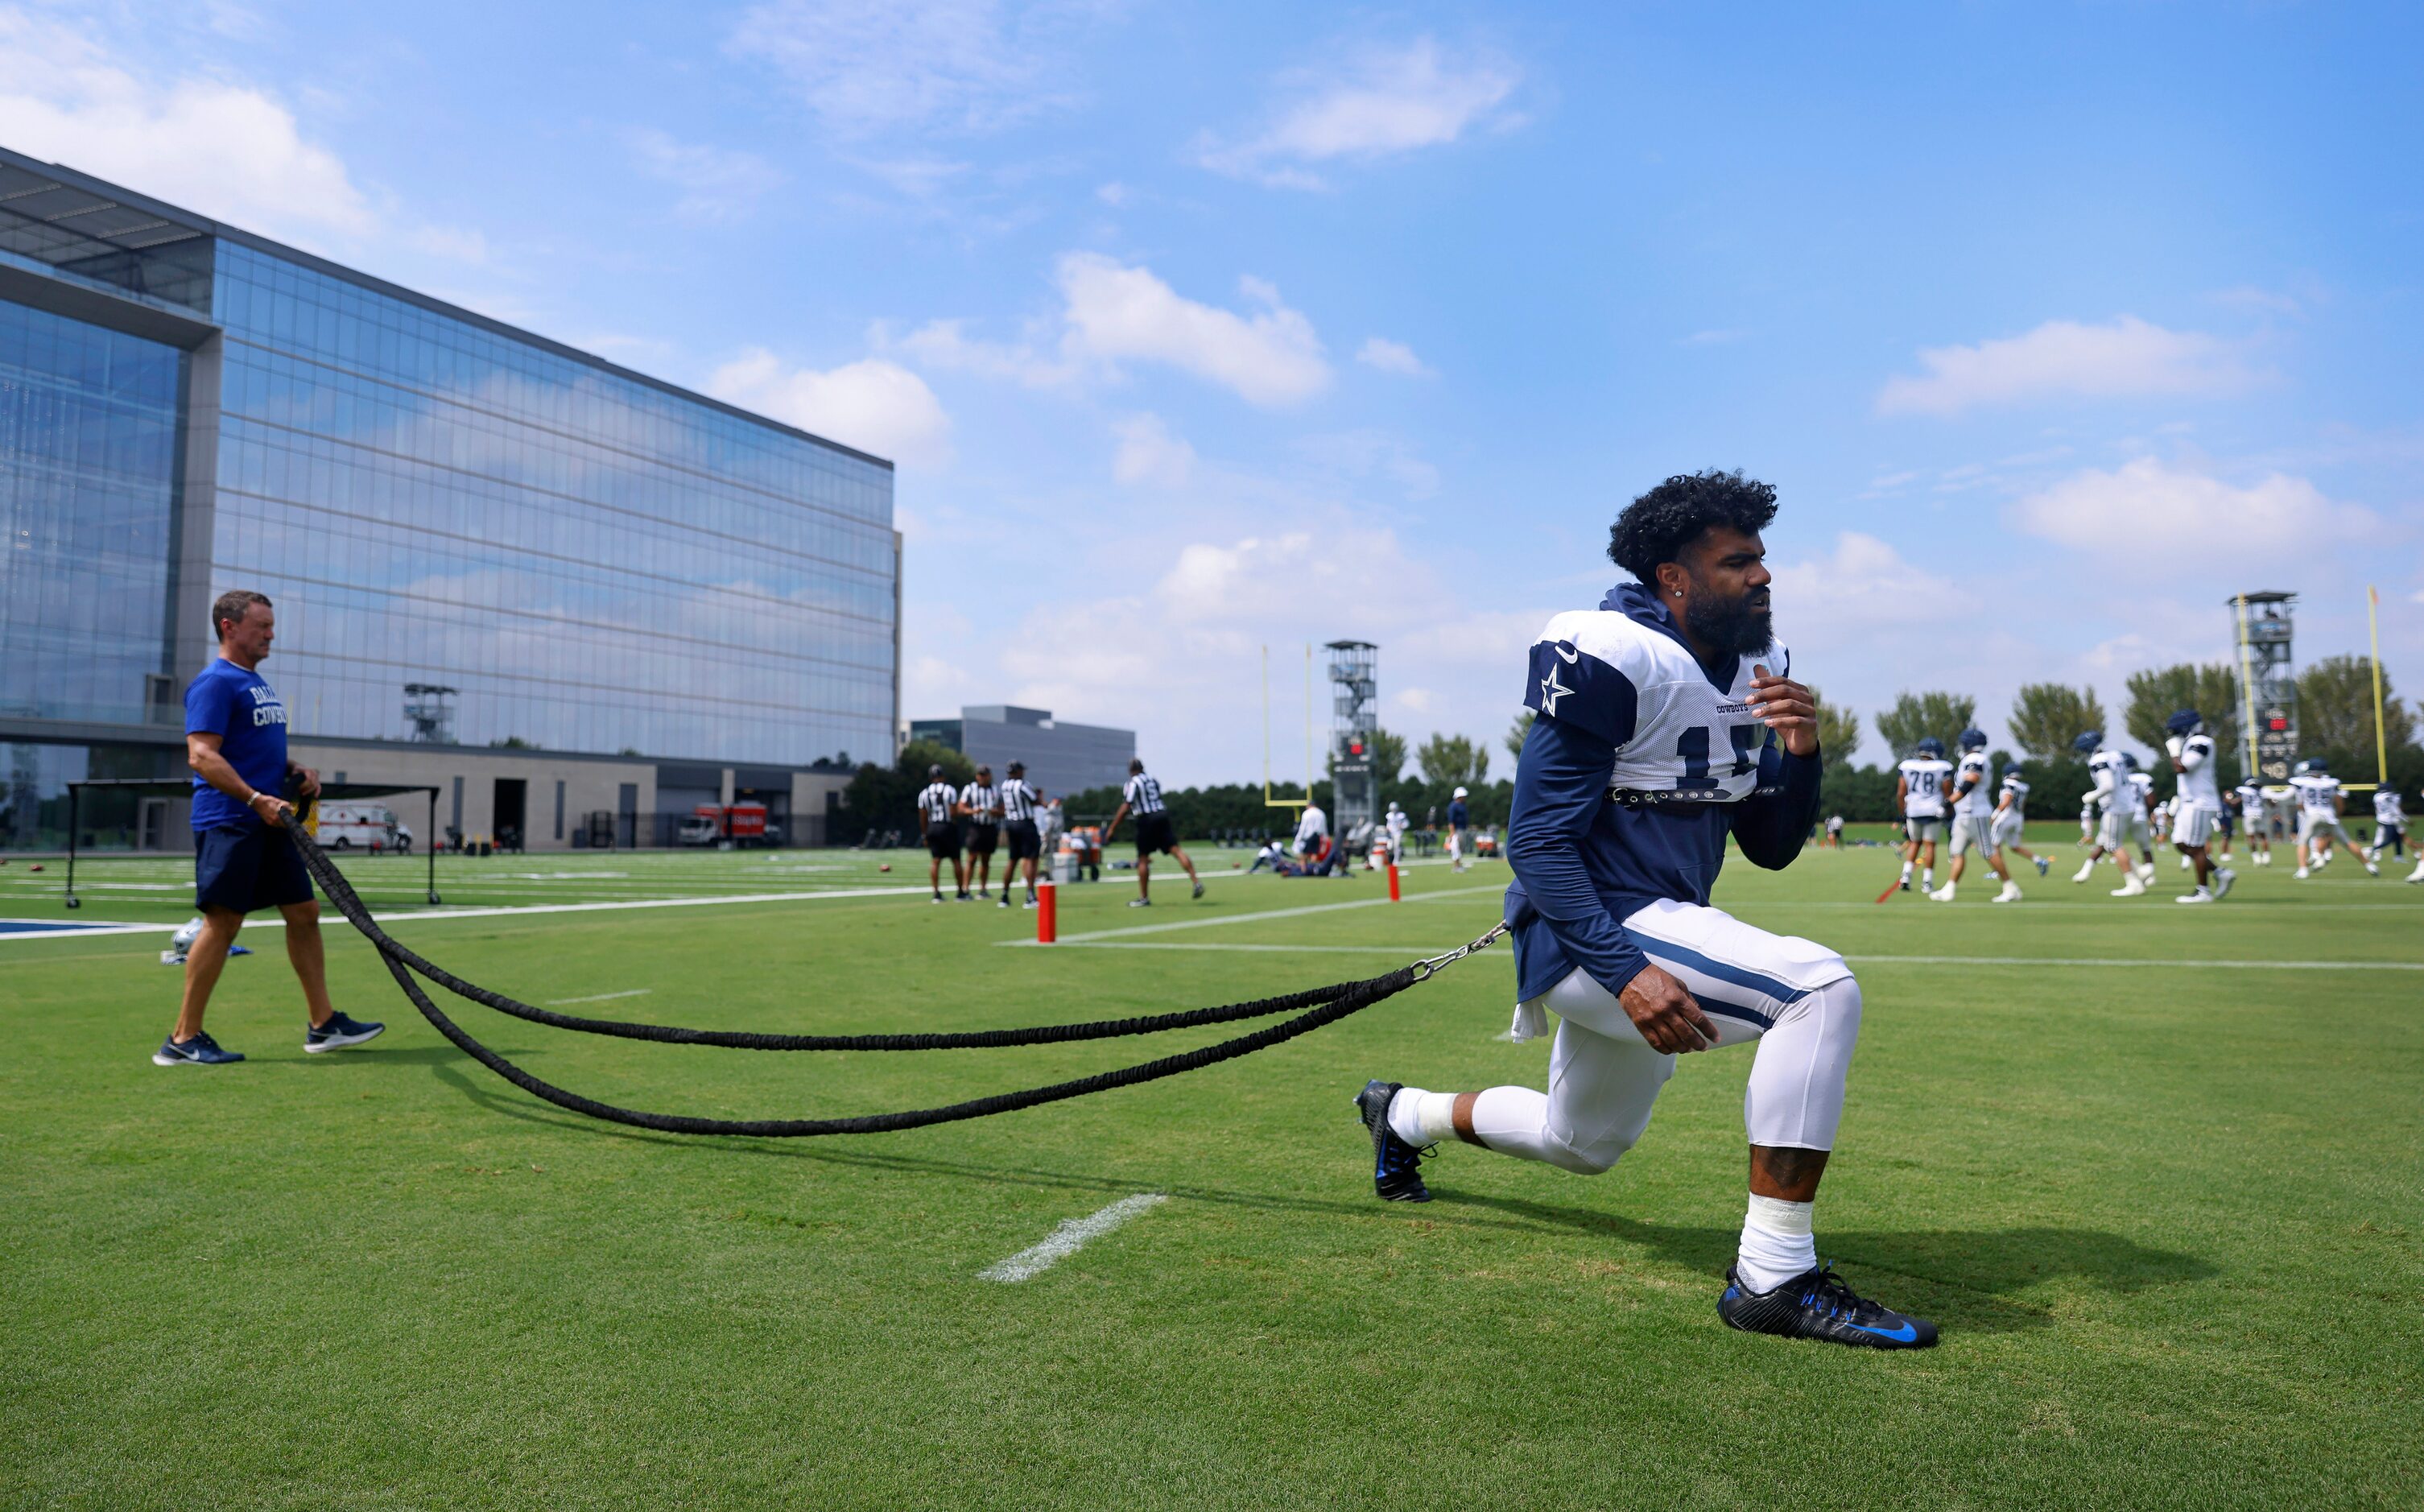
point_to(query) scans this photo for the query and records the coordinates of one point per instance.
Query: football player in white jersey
(2011, 818)
(1973, 821)
(2390, 824)
(2254, 820)
(1919, 784)
(2123, 811)
(1667, 721)
(2321, 804)
(2198, 800)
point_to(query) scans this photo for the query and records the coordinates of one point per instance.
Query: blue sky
(1200, 328)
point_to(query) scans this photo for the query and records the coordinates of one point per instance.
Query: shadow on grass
(1978, 1273)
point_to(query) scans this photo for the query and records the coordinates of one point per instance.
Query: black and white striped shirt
(935, 804)
(1142, 793)
(1018, 799)
(982, 802)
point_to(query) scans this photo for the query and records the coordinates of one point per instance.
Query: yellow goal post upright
(2373, 637)
(1270, 801)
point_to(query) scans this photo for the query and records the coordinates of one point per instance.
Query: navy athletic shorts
(1024, 843)
(248, 867)
(982, 838)
(1156, 833)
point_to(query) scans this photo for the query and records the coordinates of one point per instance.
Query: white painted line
(1408, 953)
(601, 998)
(1071, 1236)
(2172, 962)
(1268, 913)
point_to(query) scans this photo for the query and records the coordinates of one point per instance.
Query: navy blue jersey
(238, 706)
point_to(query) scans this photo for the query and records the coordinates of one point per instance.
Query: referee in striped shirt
(938, 810)
(1018, 801)
(1156, 833)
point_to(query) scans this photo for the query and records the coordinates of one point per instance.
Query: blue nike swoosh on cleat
(1906, 1334)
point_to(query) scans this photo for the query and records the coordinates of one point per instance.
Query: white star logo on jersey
(1551, 690)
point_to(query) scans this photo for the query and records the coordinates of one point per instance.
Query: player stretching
(1918, 792)
(1656, 736)
(2255, 822)
(939, 804)
(1460, 828)
(2389, 825)
(2197, 810)
(1156, 833)
(1973, 821)
(2320, 802)
(2011, 817)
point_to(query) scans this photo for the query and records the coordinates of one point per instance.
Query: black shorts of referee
(1025, 845)
(983, 838)
(1155, 834)
(942, 841)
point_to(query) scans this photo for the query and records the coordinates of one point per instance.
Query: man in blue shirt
(1460, 828)
(1660, 733)
(236, 741)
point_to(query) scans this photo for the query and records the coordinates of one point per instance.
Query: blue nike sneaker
(1396, 1175)
(339, 1032)
(201, 1050)
(1818, 1304)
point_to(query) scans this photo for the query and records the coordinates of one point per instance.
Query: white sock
(1928, 877)
(1905, 871)
(1421, 1118)
(1777, 1244)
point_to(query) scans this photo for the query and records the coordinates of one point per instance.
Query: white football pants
(1797, 998)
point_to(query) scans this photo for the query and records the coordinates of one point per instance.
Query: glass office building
(551, 554)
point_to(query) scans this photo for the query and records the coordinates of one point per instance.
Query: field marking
(2173, 962)
(1268, 913)
(1071, 1236)
(1404, 952)
(600, 998)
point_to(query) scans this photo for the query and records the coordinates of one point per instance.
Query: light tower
(2267, 684)
(1355, 723)
(429, 707)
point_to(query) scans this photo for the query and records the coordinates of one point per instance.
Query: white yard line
(2171, 963)
(1071, 1236)
(1403, 952)
(1268, 913)
(600, 998)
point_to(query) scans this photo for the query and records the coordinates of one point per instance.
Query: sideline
(1268, 913)
(1406, 951)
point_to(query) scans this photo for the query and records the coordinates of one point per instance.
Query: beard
(1739, 626)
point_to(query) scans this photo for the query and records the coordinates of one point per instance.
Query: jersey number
(1693, 748)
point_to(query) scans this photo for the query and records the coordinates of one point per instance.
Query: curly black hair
(1657, 525)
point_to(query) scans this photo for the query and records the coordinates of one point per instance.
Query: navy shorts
(248, 867)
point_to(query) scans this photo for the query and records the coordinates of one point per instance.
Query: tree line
(2335, 717)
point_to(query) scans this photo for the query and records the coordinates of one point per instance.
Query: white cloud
(455, 243)
(946, 344)
(875, 406)
(2193, 515)
(1115, 313)
(230, 151)
(716, 183)
(870, 66)
(1415, 700)
(2063, 359)
(1369, 453)
(1114, 194)
(1393, 357)
(1149, 453)
(1864, 585)
(1380, 103)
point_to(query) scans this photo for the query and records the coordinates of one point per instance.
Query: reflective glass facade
(592, 562)
(89, 448)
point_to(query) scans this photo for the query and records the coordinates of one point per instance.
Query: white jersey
(2111, 771)
(1978, 800)
(2141, 791)
(1310, 827)
(2196, 779)
(1397, 824)
(1924, 783)
(2251, 803)
(2387, 809)
(983, 800)
(1686, 735)
(2016, 791)
(2315, 793)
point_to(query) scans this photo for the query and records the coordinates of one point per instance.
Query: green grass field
(2154, 1170)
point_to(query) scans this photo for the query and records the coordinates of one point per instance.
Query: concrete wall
(588, 785)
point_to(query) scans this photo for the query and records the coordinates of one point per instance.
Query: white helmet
(186, 934)
(1460, 792)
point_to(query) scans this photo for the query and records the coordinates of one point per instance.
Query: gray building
(1060, 757)
(606, 593)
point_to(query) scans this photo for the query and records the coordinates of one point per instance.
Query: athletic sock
(1421, 1118)
(1928, 877)
(1905, 871)
(1777, 1244)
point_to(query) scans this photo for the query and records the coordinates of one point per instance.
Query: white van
(360, 826)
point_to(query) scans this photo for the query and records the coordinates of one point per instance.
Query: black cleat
(1396, 1176)
(1818, 1304)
